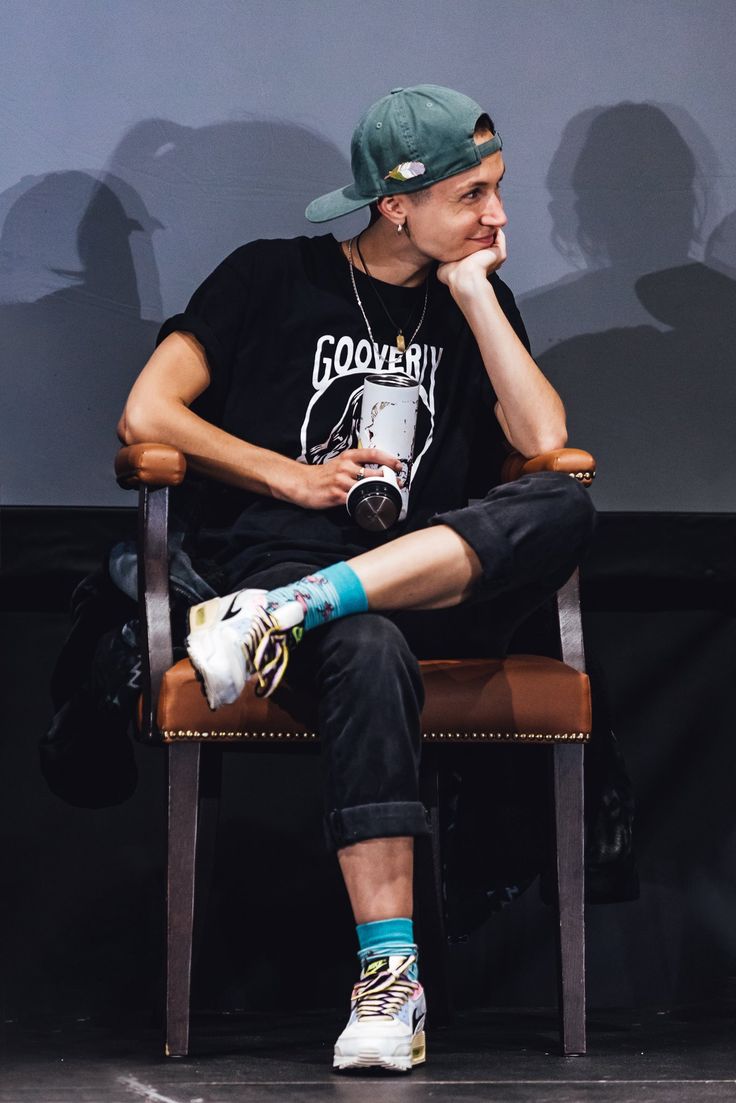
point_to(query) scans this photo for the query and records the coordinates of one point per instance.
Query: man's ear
(394, 207)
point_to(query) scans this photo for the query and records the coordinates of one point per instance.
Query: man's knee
(577, 513)
(564, 522)
(570, 503)
(551, 521)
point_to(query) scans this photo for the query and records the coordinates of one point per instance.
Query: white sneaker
(234, 639)
(387, 1015)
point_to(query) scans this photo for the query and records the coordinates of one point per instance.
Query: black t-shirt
(288, 349)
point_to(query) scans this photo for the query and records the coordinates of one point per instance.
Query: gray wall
(143, 141)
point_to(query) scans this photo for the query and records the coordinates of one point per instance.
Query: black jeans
(363, 670)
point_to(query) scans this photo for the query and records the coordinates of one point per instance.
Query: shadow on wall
(70, 329)
(654, 399)
(213, 188)
(84, 284)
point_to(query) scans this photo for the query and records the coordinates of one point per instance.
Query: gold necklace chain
(400, 341)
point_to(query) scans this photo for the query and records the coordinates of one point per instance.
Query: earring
(399, 227)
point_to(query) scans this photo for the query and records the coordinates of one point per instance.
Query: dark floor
(486, 1055)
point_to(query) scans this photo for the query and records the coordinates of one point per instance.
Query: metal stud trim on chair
(181, 735)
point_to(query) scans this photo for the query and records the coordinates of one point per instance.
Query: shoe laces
(267, 651)
(383, 995)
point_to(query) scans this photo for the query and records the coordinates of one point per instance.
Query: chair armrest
(152, 465)
(151, 469)
(573, 461)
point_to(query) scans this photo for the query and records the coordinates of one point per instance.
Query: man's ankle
(385, 938)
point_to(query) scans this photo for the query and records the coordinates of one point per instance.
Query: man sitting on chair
(256, 382)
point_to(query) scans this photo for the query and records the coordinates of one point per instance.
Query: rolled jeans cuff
(344, 826)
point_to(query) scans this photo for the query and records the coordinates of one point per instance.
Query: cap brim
(336, 203)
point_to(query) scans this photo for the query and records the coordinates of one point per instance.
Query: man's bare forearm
(158, 409)
(529, 408)
(212, 451)
(531, 412)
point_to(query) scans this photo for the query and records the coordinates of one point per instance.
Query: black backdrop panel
(82, 902)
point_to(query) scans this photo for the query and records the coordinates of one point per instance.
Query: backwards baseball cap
(406, 141)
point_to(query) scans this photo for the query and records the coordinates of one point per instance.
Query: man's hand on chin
(474, 269)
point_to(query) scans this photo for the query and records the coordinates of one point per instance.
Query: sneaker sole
(371, 1057)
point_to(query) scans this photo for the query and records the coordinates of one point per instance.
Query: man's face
(461, 215)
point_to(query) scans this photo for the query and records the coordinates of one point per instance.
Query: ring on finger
(360, 475)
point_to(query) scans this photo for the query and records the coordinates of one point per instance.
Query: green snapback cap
(407, 141)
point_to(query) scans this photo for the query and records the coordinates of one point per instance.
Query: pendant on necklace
(400, 342)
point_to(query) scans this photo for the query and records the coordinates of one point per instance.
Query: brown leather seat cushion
(521, 698)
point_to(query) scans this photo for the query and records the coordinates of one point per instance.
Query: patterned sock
(385, 937)
(325, 595)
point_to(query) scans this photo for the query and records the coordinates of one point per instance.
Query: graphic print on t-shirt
(330, 423)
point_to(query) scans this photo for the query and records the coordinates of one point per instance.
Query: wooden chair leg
(430, 908)
(182, 848)
(210, 786)
(570, 839)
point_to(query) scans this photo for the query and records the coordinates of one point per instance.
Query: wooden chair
(523, 699)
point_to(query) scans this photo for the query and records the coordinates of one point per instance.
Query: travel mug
(388, 418)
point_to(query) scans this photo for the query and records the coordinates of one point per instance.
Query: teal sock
(385, 937)
(325, 595)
